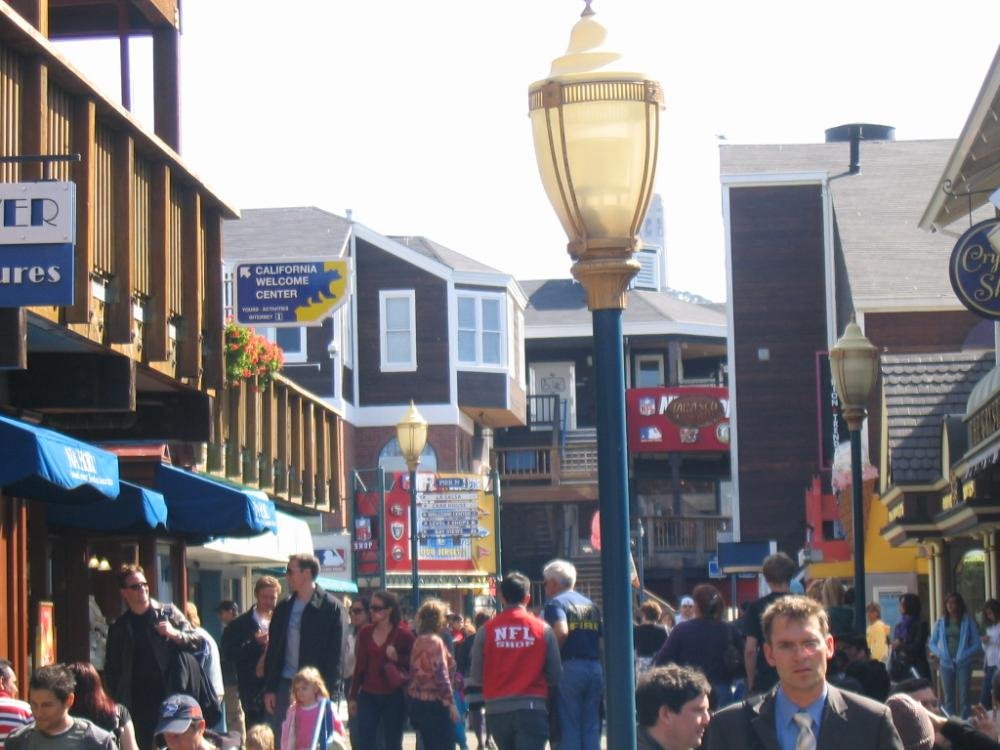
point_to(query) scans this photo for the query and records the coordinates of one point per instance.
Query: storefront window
(970, 580)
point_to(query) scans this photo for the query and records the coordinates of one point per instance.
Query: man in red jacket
(515, 657)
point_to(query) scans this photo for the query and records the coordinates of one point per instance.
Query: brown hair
(778, 568)
(709, 601)
(431, 616)
(832, 593)
(391, 602)
(126, 570)
(795, 607)
(305, 561)
(266, 582)
(650, 611)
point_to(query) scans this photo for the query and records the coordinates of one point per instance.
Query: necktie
(806, 739)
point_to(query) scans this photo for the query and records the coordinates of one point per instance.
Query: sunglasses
(357, 611)
(376, 608)
(137, 586)
(291, 570)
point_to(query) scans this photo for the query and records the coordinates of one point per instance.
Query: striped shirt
(14, 714)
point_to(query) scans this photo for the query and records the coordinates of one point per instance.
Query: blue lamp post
(411, 433)
(854, 365)
(596, 132)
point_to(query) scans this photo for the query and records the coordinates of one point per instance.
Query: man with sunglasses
(145, 661)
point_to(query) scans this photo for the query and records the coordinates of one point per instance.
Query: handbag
(394, 676)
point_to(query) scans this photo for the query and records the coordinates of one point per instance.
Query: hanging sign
(289, 293)
(37, 232)
(974, 269)
(682, 418)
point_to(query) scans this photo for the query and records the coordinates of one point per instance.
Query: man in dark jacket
(243, 643)
(145, 655)
(307, 630)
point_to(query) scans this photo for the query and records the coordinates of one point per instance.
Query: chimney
(856, 132)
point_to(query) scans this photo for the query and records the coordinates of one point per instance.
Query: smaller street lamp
(854, 366)
(411, 434)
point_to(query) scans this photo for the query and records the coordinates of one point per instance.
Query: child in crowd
(260, 737)
(311, 723)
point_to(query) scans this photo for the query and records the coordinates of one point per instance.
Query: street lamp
(854, 365)
(596, 133)
(411, 434)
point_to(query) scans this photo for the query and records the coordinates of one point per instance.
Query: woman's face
(951, 604)
(990, 614)
(378, 611)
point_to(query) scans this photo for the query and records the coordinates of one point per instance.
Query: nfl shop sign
(684, 418)
(37, 232)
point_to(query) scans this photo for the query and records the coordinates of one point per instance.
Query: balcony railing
(696, 535)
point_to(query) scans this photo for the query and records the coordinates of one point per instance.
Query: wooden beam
(179, 416)
(268, 428)
(34, 115)
(234, 440)
(251, 431)
(64, 381)
(13, 338)
(166, 87)
(322, 421)
(35, 12)
(295, 433)
(157, 335)
(214, 355)
(118, 322)
(84, 174)
(281, 454)
(14, 581)
(308, 453)
(192, 289)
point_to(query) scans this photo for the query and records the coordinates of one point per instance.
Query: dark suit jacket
(849, 721)
(240, 648)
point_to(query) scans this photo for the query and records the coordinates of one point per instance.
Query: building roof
(277, 233)
(562, 303)
(920, 391)
(431, 249)
(890, 261)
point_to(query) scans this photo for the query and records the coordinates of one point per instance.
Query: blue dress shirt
(784, 710)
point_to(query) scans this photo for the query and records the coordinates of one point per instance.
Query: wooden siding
(778, 304)
(482, 389)
(59, 130)
(376, 270)
(11, 88)
(104, 202)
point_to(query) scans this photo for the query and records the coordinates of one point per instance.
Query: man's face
(686, 727)
(135, 592)
(688, 611)
(298, 580)
(267, 599)
(187, 740)
(226, 616)
(798, 650)
(49, 711)
(8, 682)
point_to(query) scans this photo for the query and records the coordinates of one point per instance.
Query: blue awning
(46, 465)
(203, 507)
(136, 509)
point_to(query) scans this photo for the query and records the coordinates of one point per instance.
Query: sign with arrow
(290, 293)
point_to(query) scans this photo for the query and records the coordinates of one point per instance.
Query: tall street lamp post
(854, 364)
(596, 133)
(411, 433)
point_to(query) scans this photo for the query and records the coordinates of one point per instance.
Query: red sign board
(684, 418)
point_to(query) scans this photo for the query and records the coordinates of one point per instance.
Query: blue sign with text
(289, 293)
(33, 275)
(974, 269)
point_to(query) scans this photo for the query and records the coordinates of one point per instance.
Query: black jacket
(320, 642)
(240, 648)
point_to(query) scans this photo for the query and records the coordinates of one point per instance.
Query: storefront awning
(291, 537)
(203, 507)
(42, 464)
(136, 509)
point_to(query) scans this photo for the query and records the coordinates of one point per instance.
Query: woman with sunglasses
(374, 699)
(358, 612)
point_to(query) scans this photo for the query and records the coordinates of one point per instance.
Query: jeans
(578, 704)
(389, 711)
(957, 679)
(986, 695)
(527, 729)
(432, 724)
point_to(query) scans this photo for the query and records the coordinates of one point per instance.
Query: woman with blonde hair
(311, 722)
(432, 709)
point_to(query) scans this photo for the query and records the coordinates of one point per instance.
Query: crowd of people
(790, 674)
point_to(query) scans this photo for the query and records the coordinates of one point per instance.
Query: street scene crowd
(788, 675)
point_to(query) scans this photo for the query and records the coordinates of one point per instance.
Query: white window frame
(302, 355)
(384, 296)
(346, 337)
(658, 359)
(478, 364)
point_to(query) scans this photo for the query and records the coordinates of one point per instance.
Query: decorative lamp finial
(588, 11)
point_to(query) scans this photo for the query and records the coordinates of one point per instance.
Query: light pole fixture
(596, 136)
(411, 434)
(854, 366)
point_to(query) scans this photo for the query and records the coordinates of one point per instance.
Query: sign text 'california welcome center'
(37, 232)
(290, 292)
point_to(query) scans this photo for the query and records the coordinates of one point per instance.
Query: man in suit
(804, 711)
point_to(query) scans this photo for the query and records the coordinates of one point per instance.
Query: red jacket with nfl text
(515, 657)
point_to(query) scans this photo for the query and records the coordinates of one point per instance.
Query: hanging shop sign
(290, 293)
(684, 418)
(37, 233)
(974, 269)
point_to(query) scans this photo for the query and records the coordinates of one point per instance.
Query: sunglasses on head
(137, 586)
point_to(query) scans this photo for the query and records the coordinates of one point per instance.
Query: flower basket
(250, 357)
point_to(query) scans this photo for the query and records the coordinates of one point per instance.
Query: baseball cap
(176, 714)
(686, 600)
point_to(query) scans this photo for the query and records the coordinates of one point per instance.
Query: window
(291, 340)
(397, 329)
(648, 370)
(390, 458)
(481, 330)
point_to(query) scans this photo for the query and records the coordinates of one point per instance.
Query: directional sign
(290, 292)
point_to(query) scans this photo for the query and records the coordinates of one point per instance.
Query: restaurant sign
(974, 269)
(683, 418)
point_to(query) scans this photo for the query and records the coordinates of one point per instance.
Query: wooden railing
(283, 440)
(523, 464)
(543, 413)
(147, 268)
(692, 534)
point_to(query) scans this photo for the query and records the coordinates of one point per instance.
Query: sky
(414, 114)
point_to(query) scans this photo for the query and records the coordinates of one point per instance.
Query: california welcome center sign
(290, 293)
(37, 233)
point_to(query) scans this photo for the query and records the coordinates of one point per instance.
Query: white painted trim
(466, 423)
(734, 454)
(292, 358)
(517, 293)
(452, 344)
(479, 365)
(389, 416)
(521, 357)
(829, 266)
(354, 315)
(652, 328)
(753, 179)
(403, 252)
(482, 278)
(385, 295)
